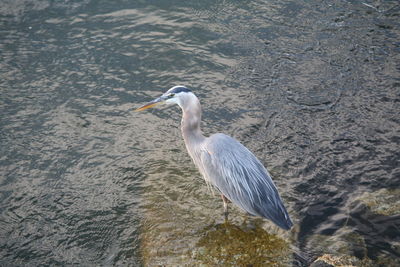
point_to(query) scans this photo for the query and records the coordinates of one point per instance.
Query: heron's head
(175, 95)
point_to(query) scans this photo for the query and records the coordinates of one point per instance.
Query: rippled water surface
(311, 87)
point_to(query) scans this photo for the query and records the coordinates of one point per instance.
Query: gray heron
(225, 163)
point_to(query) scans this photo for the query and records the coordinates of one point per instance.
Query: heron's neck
(191, 119)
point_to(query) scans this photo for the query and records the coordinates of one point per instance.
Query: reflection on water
(310, 87)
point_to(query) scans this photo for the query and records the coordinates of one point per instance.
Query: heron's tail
(276, 212)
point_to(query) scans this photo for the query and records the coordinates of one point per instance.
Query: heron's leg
(225, 200)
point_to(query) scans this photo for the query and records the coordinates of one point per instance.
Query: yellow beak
(151, 104)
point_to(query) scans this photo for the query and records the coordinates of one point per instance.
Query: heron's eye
(171, 95)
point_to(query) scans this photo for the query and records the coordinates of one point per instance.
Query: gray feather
(241, 177)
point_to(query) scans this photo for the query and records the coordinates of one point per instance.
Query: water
(311, 87)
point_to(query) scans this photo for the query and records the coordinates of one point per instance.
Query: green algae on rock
(230, 245)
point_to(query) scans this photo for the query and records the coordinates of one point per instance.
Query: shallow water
(311, 87)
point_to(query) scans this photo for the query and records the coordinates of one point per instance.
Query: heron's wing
(240, 176)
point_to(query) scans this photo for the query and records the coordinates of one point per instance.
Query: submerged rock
(383, 201)
(344, 242)
(340, 250)
(230, 245)
(328, 260)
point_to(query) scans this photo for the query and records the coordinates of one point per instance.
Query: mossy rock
(341, 261)
(230, 245)
(383, 201)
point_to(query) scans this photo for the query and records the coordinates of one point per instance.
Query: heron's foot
(226, 215)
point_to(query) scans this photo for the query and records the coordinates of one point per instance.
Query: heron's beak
(151, 104)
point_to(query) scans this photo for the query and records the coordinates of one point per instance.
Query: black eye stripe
(180, 89)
